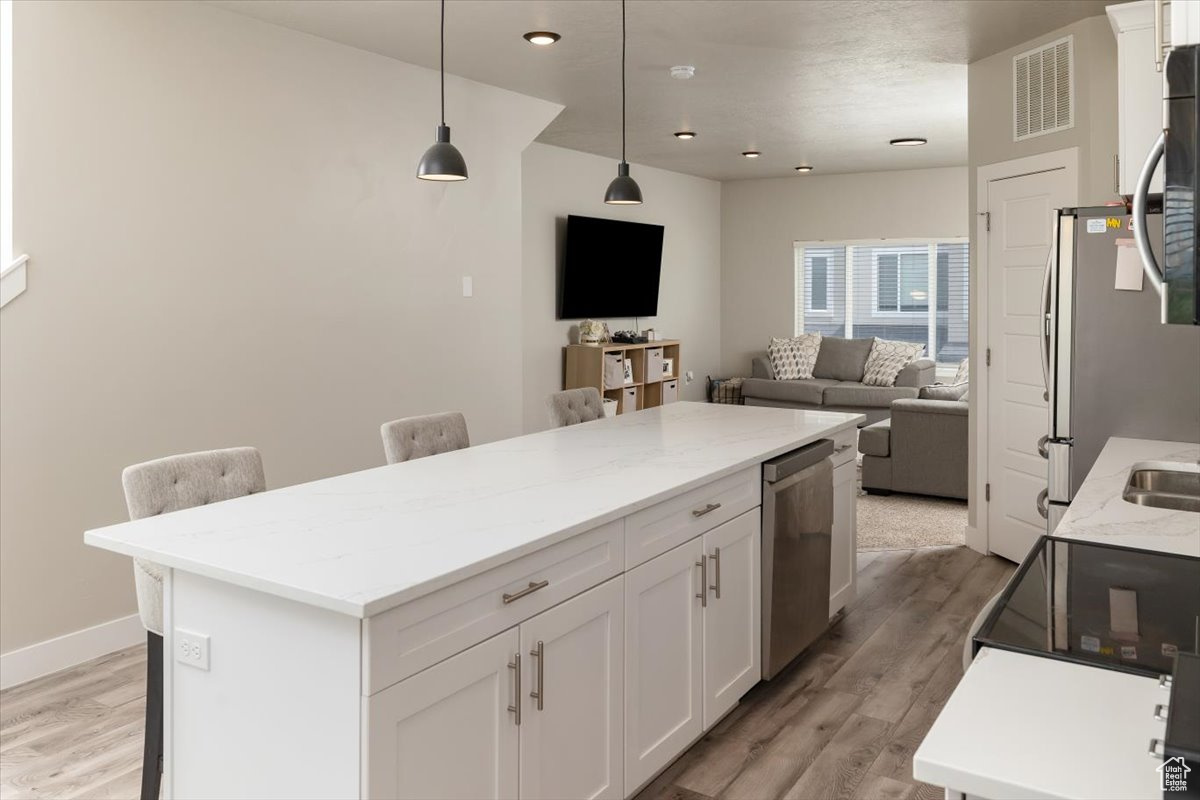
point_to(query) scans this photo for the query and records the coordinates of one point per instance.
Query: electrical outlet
(191, 649)
(468, 287)
(689, 376)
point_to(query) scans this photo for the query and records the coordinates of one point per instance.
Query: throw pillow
(842, 359)
(887, 359)
(793, 359)
(964, 372)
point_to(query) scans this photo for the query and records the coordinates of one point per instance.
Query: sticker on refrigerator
(1089, 644)
(1129, 653)
(1097, 225)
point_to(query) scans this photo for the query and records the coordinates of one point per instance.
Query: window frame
(809, 308)
(899, 251)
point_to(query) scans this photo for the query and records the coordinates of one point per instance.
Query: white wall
(558, 182)
(762, 219)
(230, 248)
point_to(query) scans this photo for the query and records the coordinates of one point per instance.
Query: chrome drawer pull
(1160, 712)
(515, 666)
(708, 509)
(716, 558)
(703, 565)
(1164, 681)
(539, 653)
(530, 589)
(1154, 745)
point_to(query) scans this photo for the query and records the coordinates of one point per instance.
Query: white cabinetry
(663, 660)
(447, 732)
(454, 729)
(1139, 91)
(843, 568)
(571, 725)
(732, 629)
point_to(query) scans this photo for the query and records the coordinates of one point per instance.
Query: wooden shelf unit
(583, 365)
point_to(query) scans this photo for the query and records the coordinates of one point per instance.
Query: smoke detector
(683, 73)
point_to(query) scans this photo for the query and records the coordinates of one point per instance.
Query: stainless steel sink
(1158, 487)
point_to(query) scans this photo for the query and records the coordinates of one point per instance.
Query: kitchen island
(559, 614)
(1096, 723)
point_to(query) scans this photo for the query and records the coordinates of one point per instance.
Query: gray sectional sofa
(922, 449)
(836, 384)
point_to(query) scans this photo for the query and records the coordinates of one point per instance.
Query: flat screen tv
(610, 269)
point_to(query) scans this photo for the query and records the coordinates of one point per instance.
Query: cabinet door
(446, 732)
(843, 572)
(663, 651)
(572, 713)
(732, 621)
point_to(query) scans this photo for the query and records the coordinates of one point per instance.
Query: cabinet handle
(716, 558)
(703, 565)
(539, 653)
(530, 589)
(708, 509)
(1160, 712)
(515, 666)
(843, 448)
(1154, 751)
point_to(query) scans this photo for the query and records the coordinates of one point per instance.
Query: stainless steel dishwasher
(797, 531)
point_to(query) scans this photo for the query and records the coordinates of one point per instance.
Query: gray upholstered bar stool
(573, 406)
(418, 437)
(160, 487)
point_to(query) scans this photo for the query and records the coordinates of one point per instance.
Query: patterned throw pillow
(887, 359)
(964, 372)
(793, 359)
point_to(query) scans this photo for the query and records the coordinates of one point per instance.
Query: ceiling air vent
(1044, 89)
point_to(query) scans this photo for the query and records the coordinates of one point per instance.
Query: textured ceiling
(817, 81)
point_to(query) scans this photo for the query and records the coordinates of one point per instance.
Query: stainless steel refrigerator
(1111, 367)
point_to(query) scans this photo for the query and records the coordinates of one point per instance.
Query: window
(910, 290)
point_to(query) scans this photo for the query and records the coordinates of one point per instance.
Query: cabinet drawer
(845, 447)
(411, 637)
(655, 530)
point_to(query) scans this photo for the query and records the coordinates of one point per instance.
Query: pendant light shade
(623, 191)
(442, 161)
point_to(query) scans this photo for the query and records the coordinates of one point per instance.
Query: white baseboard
(52, 655)
(976, 539)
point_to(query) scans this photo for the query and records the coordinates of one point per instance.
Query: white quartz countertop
(365, 542)
(1076, 732)
(1099, 513)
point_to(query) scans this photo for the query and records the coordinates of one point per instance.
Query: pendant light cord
(442, 59)
(622, 79)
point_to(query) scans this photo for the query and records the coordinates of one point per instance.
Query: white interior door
(1022, 229)
(571, 727)
(446, 732)
(663, 652)
(732, 622)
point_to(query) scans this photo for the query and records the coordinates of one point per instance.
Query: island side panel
(277, 713)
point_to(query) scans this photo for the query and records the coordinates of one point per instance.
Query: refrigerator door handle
(1041, 447)
(1045, 322)
(1043, 512)
(1141, 236)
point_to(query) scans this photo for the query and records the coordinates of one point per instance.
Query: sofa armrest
(918, 373)
(956, 408)
(761, 367)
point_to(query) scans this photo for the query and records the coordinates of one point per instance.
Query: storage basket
(725, 390)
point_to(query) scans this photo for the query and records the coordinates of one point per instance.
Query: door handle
(515, 708)
(708, 509)
(1041, 503)
(539, 693)
(703, 595)
(530, 589)
(716, 559)
(1041, 447)
(1140, 235)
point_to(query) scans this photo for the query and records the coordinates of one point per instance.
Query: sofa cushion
(842, 359)
(940, 392)
(808, 392)
(794, 358)
(855, 394)
(873, 440)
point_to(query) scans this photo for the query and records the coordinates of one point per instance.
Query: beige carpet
(905, 521)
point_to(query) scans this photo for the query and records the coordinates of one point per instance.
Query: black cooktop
(1114, 607)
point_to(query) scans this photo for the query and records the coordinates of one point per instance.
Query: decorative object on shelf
(593, 332)
(628, 365)
(668, 367)
(629, 337)
(623, 191)
(442, 161)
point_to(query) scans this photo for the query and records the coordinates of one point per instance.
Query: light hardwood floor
(842, 722)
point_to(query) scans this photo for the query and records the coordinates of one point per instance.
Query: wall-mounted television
(610, 269)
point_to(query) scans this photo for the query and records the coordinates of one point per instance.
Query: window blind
(911, 290)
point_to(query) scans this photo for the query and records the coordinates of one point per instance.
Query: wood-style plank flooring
(840, 723)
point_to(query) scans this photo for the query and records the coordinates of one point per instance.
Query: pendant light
(623, 191)
(442, 161)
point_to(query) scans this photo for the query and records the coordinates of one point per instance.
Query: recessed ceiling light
(908, 141)
(685, 134)
(751, 153)
(542, 38)
(804, 168)
(683, 73)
